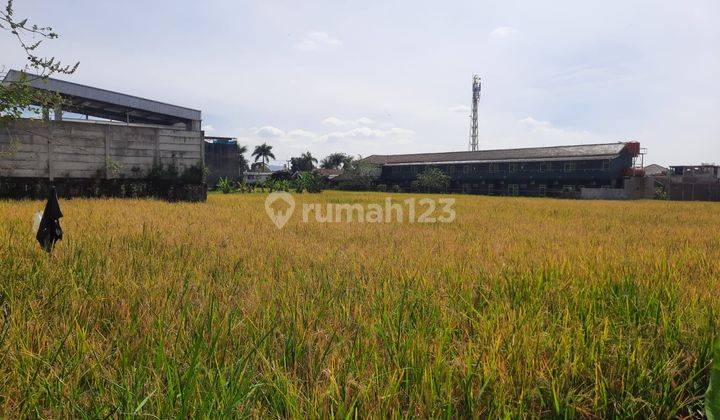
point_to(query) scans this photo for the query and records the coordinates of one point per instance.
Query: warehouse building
(111, 137)
(541, 171)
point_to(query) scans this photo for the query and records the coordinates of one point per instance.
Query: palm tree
(336, 160)
(308, 157)
(304, 163)
(242, 161)
(263, 153)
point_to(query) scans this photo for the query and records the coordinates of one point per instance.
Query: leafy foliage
(336, 161)
(113, 166)
(308, 181)
(712, 396)
(263, 153)
(432, 180)
(195, 174)
(242, 160)
(225, 186)
(359, 175)
(303, 163)
(18, 96)
(281, 176)
(259, 167)
(278, 185)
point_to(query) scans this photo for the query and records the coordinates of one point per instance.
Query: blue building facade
(546, 171)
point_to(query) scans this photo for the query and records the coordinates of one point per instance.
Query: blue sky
(377, 77)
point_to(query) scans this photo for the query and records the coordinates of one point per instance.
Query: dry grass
(521, 307)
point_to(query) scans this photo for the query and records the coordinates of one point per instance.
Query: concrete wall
(684, 191)
(634, 189)
(77, 149)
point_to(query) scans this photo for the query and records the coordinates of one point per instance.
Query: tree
(308, 181)
(304, 163)
(17, 96)
(263, 153)
(432, 180)
(359, 175)
(336, 160)
(242, 160)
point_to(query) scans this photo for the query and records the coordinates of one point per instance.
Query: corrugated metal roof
(108, 104)
(576, 152)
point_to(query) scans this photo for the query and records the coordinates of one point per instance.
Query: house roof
(330, 173)
(102, 103)
(575, 152)
(655, 169)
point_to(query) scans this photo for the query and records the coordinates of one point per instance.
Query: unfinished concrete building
(113, 143)
(221, 159)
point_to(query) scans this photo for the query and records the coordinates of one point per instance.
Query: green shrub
(195, 174)
(431, 180)
(278, 185)
(225, 186)
(308, 181)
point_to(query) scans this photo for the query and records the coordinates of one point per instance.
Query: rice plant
(520, 308)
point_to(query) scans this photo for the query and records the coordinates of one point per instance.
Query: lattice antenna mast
(474, 116)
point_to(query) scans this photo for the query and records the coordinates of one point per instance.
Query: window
(544, 167)
(466, 169)
(491, 189)
(512, 168)
(542, 190)
(605, 165)
(513, 189)
(494, 167)
(569, 167)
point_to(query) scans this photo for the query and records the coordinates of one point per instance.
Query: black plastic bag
(50, 231)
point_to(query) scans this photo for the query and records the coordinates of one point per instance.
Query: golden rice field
(520, 308)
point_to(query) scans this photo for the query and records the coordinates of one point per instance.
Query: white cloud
(337, 122)
(352, 140)
(545, 130)
(302, 135)
(460, 109)
(317, 40)
(370, 136)
(208, 128)
(269, 132)
(503, 32)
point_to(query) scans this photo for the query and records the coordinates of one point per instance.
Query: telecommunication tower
(474, 116)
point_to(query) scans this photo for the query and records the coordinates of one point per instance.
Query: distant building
(702, 171)
(221, 159)
(255, 178)
(328, 173)
(541, 171)
(655, 170)
(690, 183)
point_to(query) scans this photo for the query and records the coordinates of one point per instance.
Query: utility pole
(474, 116)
